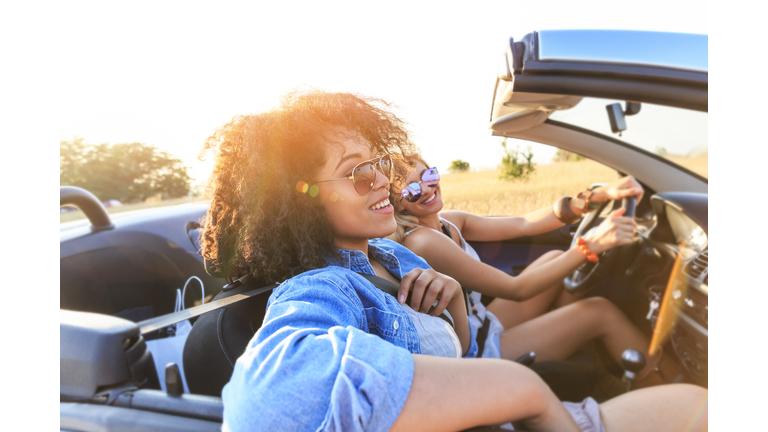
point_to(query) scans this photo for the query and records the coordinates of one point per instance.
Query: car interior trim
(698, 327)
(694, 206)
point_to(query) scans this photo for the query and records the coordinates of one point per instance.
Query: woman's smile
(430, 200)
(382, 207)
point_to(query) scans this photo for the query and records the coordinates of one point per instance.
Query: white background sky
(167, 74)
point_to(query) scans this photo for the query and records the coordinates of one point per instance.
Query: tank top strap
(464, 245)
(463, 242)
(406, 234)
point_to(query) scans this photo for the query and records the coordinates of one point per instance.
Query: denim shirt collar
(356, 260)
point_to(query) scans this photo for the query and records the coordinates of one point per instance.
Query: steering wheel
(585, 277)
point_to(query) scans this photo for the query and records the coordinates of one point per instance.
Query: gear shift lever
(633, 362)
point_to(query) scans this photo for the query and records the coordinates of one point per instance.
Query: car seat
(219, 337)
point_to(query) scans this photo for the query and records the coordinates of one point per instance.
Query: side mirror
(616, 115)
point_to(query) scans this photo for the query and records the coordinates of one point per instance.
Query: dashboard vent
(698, 265)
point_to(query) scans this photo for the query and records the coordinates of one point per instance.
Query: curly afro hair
(259, 221)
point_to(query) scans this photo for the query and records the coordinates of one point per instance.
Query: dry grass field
(484, 193)
(698, 164)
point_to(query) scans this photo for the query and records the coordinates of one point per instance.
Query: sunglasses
(364, 174)
(412, 192)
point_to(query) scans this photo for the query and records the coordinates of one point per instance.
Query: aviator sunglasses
(412, 192)
(364, 174)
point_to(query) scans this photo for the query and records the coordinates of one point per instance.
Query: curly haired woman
(300, 192)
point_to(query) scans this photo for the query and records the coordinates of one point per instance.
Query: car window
(556, 173)
(677, 134)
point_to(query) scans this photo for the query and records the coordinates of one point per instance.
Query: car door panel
(514, 255)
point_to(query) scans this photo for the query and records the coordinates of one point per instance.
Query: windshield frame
(626, 145)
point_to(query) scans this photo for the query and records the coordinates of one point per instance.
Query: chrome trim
(681, 51)
(698, 327)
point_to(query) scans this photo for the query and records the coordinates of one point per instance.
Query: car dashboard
(679, 234)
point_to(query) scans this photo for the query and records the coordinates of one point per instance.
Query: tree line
(129, 172)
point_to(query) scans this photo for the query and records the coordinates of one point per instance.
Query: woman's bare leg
(675, 407)
(565, 298)
(560, 333)
(512, 313)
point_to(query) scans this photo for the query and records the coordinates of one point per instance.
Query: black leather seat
(219, 337)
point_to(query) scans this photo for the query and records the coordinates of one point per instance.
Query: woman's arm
(456, 394)
(480, 228)
(445, 256)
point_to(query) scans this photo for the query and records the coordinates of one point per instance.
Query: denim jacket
(333, 354)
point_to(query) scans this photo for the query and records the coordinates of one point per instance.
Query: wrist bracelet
(582, 245)
(563, 212)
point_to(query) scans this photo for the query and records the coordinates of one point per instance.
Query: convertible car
(620, 98)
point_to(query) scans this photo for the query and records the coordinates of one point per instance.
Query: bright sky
(168, 74)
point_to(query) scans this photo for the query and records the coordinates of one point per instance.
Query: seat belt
(163, 321)
(392, 288)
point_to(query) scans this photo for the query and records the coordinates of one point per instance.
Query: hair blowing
(260, 220)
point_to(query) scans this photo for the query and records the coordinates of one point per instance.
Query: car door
(514, 255)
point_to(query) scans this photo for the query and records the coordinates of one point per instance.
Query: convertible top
(552, 70)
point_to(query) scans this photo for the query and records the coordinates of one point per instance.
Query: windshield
(676, 134)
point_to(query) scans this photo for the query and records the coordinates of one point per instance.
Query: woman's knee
(602, 309)
(597, 304)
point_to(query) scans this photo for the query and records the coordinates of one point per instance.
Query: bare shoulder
(456, 217)
(427, 242)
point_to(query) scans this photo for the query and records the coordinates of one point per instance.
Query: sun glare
(670, 305)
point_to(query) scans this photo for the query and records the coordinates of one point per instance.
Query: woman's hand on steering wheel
(618, 189)
(426, 286)
(615, 230)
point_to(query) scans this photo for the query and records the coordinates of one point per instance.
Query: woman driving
(518, 319)
(302, 192)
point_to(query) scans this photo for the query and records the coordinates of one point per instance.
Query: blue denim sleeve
(311, 367)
